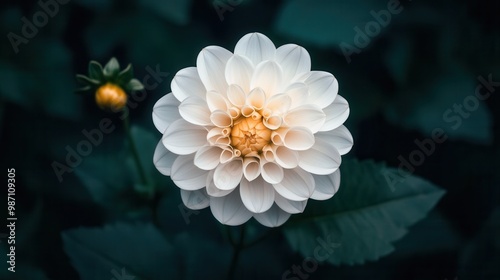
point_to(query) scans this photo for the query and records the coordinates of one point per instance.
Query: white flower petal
(321, 159)
(273, 122)
(269, 77)
(239, 70)
(286, 158)
(340, 138)
(212, 190)
(297, 185)
(290, 206)
(323, 88)
(216, 101)
(187, 83)
(326, 185)
(186, 175)
(194, 109)
(184, 138)
(257, 195)
(256, 46)
(229, 209)
(163, 159)
(211, 65)
(207, 157)
(273, 217)
(251, 168)
(221, 118)
(309, 115)
(227, 176)
(165, 112)
(256, 98)
(299, 93)
(295, 138)
(336, 114)
(279, 103)
(294, 60)
(236, 95)
(195, 200)
(271, 172)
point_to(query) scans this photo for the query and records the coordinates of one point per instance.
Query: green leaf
(138, 250)
(86, 80)
(371, 210)
(176, 11)
(125, 75)
(325, 22)
(134, 85)
(95, 71)
(111, 69)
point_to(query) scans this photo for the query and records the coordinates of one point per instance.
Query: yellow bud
(110, 97)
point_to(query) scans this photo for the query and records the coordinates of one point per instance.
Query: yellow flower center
(110, 97)
(249, 134)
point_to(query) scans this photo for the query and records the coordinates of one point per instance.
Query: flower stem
(133, 149)
(237, 247)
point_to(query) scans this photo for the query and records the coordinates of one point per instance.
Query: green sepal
(86, 80)
(125, 76)
(95, 71)
(134, 85)
(83, 89)
(111, 69)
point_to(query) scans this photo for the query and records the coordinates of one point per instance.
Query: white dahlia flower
(254, 133)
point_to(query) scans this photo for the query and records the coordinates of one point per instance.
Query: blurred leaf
(139, 250)
(108, 179)
(95, 71)
(125, 75)
(438, 106)
(111, 68)
(176, 11)
(197, 250)
(371, 210)
(480, 257)
(86, 80)
(134, 85)
(325, 22)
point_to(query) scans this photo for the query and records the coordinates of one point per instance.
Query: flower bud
(110, 97)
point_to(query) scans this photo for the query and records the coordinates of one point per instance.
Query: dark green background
(423, 62)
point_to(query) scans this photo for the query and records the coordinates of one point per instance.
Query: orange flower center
(249, 134)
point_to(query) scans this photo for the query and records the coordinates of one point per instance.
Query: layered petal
(323, 88)
(227, 176)
(294, 60)
(194, 109)
(165, 112)
(239, 71)
(326, 185)
(163, 159)
(186, 175)
(211, 65)
(229, 209)
(207, 157)
(321, 159)
(309, 115)
(257, 195)
(290, 206)
(340, 138)
(297, 185)
(260, 78)
(336, 114)
(195, 200)
(256, 47)
(184, 138)
(273, 217)
(187, 83)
